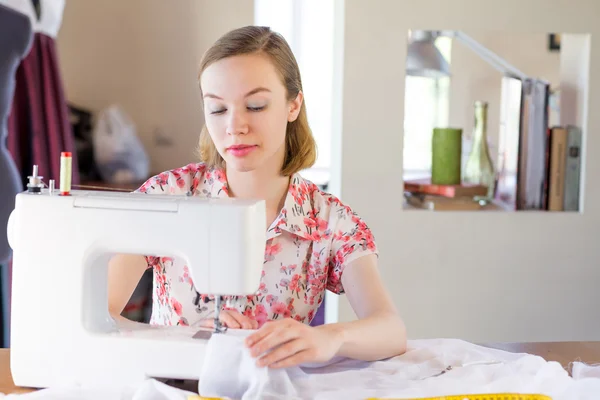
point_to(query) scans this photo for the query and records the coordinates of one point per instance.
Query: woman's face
(246, 111)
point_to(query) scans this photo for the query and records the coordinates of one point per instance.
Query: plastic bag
(119, 154)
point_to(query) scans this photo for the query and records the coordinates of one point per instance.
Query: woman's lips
(241, 150)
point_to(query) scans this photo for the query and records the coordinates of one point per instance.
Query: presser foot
(219, 327)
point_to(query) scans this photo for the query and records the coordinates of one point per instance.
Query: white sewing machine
(61, 330)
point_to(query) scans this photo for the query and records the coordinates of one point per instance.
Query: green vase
(479, 168)
(446, 150)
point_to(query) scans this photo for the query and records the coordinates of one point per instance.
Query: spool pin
(35, 181)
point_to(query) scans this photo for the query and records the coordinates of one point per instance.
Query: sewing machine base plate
(203, 335)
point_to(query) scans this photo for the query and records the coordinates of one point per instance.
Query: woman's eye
(220, 111)
(256, 108)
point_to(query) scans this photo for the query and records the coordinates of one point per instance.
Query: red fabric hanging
(38, 125)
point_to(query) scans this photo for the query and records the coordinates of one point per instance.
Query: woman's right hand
(232, 319)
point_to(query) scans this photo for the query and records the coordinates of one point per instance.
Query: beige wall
(474, 79)
(143, 55)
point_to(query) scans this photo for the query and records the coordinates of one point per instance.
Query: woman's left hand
(287, 342)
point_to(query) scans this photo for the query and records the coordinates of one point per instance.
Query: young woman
(255, 141)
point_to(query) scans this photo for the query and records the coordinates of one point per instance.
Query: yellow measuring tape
(491, 396)
(197, 397)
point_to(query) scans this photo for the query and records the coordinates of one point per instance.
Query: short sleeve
(351, 239)
(168, 182)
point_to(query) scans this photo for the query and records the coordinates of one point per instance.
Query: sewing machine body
(61, 331)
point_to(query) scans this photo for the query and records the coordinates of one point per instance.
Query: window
(308, 28)
(426, 106)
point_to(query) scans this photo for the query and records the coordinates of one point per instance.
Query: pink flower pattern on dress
(308, 246)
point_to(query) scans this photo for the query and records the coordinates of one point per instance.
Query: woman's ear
(294, 107)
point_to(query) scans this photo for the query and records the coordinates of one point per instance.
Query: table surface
(6, 383)
(562, 352)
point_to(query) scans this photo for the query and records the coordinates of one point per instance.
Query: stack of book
(539, 165)
(423, 194)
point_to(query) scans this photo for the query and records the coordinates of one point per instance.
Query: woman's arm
(124, 274)
(379, 331)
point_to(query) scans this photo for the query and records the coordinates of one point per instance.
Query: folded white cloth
(229, 371)
(430, 368)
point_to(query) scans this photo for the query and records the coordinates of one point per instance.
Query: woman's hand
(287, 342)
(232, 319)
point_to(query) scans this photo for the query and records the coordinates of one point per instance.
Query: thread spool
(66, 164)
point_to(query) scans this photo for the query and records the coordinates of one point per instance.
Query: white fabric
(230, 371)
(581, 370)
(475, 369)
(149, 390)
(51, 16)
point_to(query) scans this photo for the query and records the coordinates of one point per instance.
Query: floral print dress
(308, 245)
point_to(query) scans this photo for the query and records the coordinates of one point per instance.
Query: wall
(480, 276)
(144, 55)
(474, 79)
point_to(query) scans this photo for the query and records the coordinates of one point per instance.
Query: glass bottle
(479, 168)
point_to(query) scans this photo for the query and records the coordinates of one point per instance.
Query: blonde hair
(300, 146)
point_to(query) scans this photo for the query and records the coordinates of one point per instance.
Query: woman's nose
(237, 123)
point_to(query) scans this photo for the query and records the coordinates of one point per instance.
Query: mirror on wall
(482, 127)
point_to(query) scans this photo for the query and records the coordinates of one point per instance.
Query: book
(531, 170)
(546, 191)
(556, 187)
(424, 186)
(572, 169)
(511, 112)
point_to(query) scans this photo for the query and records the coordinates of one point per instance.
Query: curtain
(38, 125)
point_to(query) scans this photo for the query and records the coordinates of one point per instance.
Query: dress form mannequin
(39, 128)
(16, 35)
